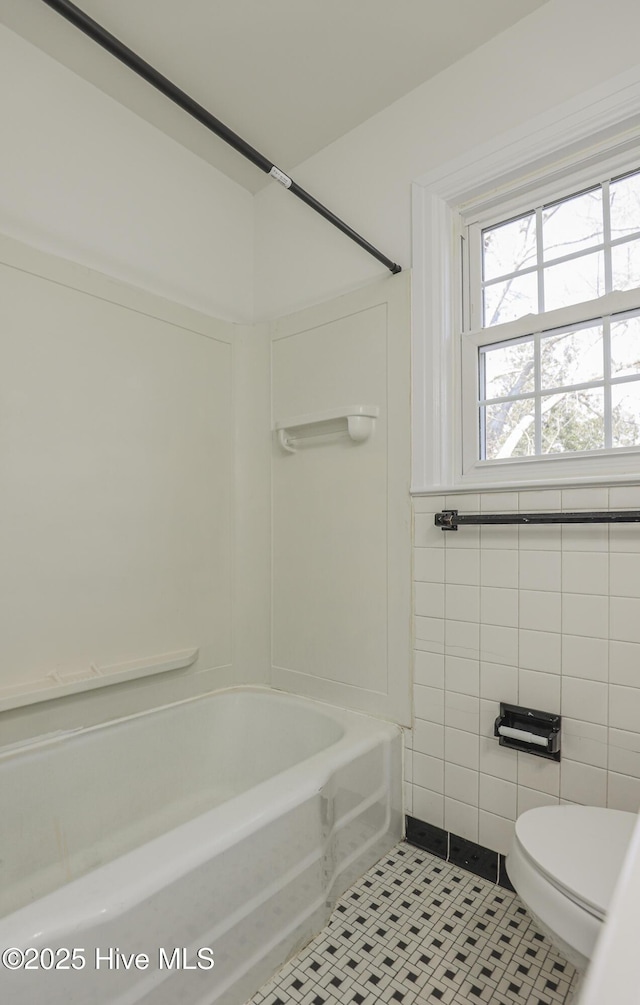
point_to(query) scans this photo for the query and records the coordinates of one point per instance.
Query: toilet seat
(578, 849)
(564, 862)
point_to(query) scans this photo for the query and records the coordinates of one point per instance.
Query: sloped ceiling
(290, 76)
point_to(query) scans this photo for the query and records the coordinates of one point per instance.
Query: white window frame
(564, 145)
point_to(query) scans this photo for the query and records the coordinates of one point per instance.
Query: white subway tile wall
(544, 616)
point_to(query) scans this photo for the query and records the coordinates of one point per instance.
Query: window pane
(553, 260)
(573, 357)
(573, 421)
(625, 265)
(508, 369)
(509, 429)
(625, 206)
(572, 225)
(510, 300)
(572, 282)
(625, 414)
(509, 247)
(625, 347)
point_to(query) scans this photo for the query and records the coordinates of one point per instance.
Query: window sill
(519, 485)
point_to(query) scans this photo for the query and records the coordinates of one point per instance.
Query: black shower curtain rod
(118, 49)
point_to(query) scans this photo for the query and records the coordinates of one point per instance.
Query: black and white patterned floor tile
(416, 930)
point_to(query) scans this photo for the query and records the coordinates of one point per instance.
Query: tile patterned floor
(416, 930)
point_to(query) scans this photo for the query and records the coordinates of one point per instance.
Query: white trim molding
(600, 124)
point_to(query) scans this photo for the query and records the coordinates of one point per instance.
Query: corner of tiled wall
(543, 616)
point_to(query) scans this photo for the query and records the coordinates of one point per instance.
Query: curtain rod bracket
(280, 176)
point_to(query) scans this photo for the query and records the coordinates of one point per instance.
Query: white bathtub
(226, 824)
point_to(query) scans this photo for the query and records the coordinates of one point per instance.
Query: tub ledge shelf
(58, 684)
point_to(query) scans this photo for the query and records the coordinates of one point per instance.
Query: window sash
(535, 202)
(610, 308)
(542, 392)
(535, 326)
(543, 322)
(618, 302)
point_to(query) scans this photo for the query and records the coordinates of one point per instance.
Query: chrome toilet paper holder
(529, 730)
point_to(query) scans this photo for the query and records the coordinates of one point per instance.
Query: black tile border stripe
(475, 858)
(503, 879)
(428, 837)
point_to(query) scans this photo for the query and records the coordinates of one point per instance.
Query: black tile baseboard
(427, 837)
(503, 879)
(473, 857)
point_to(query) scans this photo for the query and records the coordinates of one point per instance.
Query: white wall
(84, 178)
(135, 433)
(341, 519)
(562, 49)
(125, 517)
(252, 504)
(542, 616)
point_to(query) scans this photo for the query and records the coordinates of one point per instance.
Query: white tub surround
(59, 685)
(228, 823)
(340, 473)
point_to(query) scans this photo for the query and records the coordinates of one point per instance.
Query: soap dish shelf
(358, 421)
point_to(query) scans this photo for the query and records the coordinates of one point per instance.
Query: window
(563, 388)
(570, 389)
(526, 304)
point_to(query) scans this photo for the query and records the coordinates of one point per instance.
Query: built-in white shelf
(57, 684)
(356, 420)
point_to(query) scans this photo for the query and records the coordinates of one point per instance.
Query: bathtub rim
(167, 857)
(8, 751)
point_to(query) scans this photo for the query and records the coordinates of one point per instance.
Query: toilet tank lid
(580, 848)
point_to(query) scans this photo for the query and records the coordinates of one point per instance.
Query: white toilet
(564, 862)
